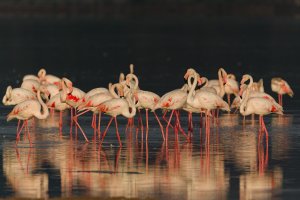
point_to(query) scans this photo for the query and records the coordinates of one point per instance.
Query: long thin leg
(93, 125)
(117, 132)
(60, 121)
(179, 126)
(167, 128)
(228, 100)
(147, 123)
(164, 118)
(105, 131)
(161, 127)
(28, 133)
(265, 128)
(71, 123)
(99, 124)
(19, 132)
(77, 125)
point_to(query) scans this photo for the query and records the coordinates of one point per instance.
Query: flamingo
(17, 95)
(219, 83)
(115, 107)
(95, 100)
(281, 87)
(27, 110)
(145, 99)
(257, 105)
(205, 100)
(48, 78)
(173, 100)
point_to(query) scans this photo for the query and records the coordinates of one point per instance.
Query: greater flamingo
(205, 100)
(281, 87)
(27, 110)
(257, 105)
(17, 95)
(31, 85)
(115, 107)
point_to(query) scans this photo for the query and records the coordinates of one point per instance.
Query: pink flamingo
(146, 100)
(27, 110)
(17, 95)
(281, 87)
(205, 100)
(231, 86)
(48, 78)
(173, 100)
(95, 100)
(115, 107)
(257, 105)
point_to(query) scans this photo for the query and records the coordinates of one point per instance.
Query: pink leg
(60, 121)
(105, 131)
(117, 132)
(281, 100)
(161, 127)
(28, 134)
(179, 126)
(93, 121)
(99, 124)
(19, 121)
(167, 128)
(228, 99)
(71, 124)
(164, 118)
(265, 129)
(19, 132)
(77, 125)
(147, 125)
(201, 124)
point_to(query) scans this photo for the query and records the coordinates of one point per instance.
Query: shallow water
(232, 163)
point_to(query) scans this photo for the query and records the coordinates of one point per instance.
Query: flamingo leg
(71, 124)
(201, 123)
(167, 128)
(147, 121)
(60, 121)
(117, 132)
(228, 100)
(140, 120)
(19, 121)
(19, 132)
(281, 101)
(77, 125)
(179, 126)
(161, 127)
(28, 133)
(164, 118)
(93, 125)
(265, 128)
(105, 131)
(99, 124)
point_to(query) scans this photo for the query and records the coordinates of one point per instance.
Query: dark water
(232, 164)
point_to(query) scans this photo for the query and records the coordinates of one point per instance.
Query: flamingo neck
(221, 81)
(190, 98)
(112, 90)
(44, 113)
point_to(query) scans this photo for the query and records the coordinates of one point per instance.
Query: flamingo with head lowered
(115, 107)
(281, 87)
(27, 110)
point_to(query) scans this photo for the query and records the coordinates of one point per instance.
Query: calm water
(232, 164)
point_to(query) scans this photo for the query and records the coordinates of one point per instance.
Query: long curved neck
(221, 83)
(44, 113)
(205, 80)
(190, 97)
(131, 106)
(112, 90)
(136, 82)
(245, 99)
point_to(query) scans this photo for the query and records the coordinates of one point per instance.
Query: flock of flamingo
(38, 94)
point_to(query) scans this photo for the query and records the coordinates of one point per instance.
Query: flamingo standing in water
(231, 86)
(173, 100)
(146, 100)
(27, 110)
(115, 107)
(205, 100)
(95, 100)
(281, 87)
(258, 105)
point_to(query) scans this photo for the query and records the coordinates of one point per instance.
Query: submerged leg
(117, 132)
(105, 131)
(160, 125)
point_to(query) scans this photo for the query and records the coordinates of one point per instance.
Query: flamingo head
(44, 90)
(231, 76)
(122, 77)
(8, 92)
(131, 67)
(189, 72)
(243, 87)
(245, 78)
(42, 73)
(66, 82)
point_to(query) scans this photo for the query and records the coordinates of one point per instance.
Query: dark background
(91, 41)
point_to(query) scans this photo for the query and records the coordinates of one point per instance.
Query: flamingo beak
(199, 81)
